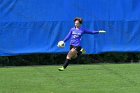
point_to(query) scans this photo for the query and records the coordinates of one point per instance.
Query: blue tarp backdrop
(35, 26)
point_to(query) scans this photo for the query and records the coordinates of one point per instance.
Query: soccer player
(75, 35)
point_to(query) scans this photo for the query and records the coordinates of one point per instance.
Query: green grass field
(102, 78)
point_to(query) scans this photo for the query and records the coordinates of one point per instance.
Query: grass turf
(102, 78)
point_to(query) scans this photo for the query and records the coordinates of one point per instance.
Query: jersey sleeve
(90, 32)
(68, 36)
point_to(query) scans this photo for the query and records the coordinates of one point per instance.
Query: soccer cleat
(61, 69)
(83, 51)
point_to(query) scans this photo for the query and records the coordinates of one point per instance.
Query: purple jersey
(76, 35)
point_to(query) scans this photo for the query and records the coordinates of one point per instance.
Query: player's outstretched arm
(94, 32)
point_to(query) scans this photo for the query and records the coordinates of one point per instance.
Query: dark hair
(79, 19)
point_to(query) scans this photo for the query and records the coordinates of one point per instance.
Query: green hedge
(54, 59)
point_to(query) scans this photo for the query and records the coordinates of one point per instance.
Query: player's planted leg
(67, 61)
(72, 53)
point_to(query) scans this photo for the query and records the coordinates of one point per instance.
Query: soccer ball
(61, 44)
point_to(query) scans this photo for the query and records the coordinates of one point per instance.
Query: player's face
(77, 24)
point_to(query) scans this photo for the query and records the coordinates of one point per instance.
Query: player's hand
(102, 31)
(61, 44)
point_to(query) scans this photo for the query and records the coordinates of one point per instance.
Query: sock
(66, 63)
